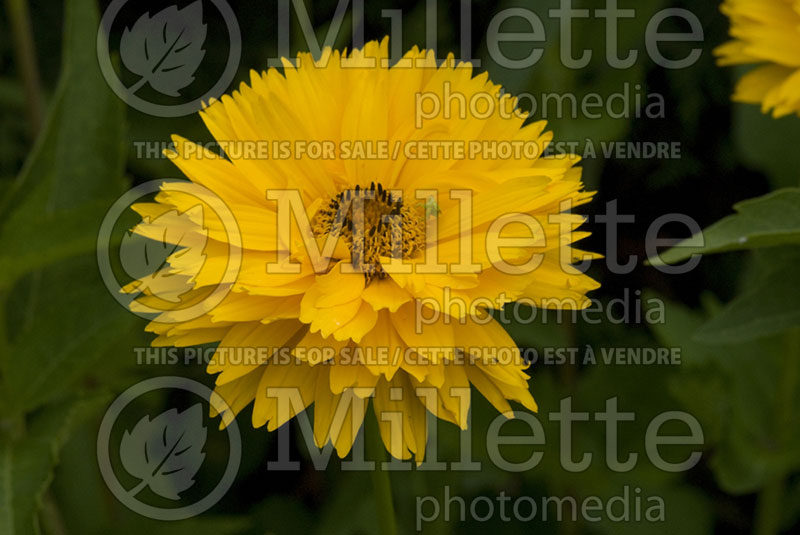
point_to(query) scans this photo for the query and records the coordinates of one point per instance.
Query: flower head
(368, 271)
(765, 33)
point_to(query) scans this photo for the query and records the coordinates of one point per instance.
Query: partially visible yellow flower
(765, 33)
(357, 304)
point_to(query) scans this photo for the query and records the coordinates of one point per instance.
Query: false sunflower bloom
(358, 306)
(765, 33)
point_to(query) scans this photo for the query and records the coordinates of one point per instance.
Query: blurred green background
(66, 345)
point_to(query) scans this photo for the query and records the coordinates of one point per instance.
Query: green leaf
(767, 221)
(768, 306)
(74, 171)
(60, 317)
(744, 395)
(63, 322)
(26, 464)
(30, 243)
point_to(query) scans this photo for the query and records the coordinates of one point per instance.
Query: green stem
(380, 481)
(5, 351)
(569, 376)
(52, 521)
(770, 500)
(768, 508)
(25, 52)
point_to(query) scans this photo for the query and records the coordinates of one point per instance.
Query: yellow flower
(766, 33)
(411, 341)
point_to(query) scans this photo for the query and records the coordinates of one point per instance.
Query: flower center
(374, 223)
